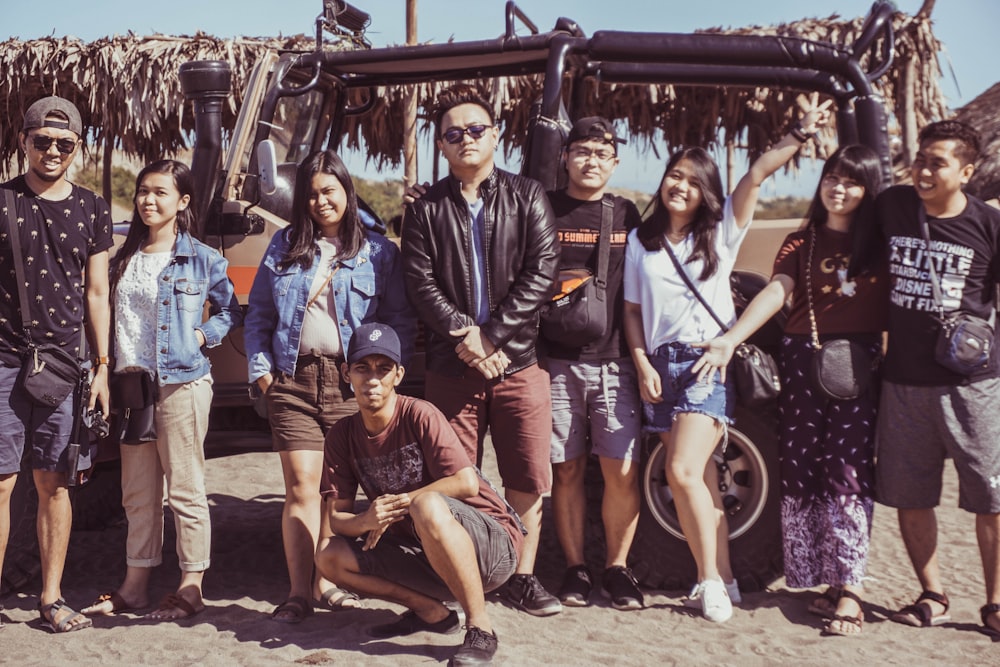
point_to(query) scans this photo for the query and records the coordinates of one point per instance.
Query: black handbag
(578, 313)
(133, 396)
(754, 371)
(49, 373)
(841, 368)
(964, 341)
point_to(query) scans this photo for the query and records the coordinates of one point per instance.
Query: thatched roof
(128, 91)
(983, 113)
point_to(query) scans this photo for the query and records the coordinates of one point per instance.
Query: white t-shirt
(320, 333)
(670, 312)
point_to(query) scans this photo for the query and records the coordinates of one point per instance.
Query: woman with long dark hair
(321, 278)
(694, 229)
(161, 279)
(835, 271)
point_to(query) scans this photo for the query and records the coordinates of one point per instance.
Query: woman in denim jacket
(320, 279)
(160, 280)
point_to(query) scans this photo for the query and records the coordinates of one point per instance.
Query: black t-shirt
(966, 255)
(57, 238)
(579, 226)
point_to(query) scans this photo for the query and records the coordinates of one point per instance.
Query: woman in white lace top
(161, 279)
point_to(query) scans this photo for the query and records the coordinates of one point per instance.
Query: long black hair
(706, 219)
(138, 232)
(861, 164)
(303, 231)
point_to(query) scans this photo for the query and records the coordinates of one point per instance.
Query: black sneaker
(576, 586)
(525, 592)
(619, 584)
(409, 622)
(477, 649)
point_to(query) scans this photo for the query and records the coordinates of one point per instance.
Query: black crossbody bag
(754, 370)
(49, 373)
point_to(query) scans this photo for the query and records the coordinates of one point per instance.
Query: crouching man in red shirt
(435, 529)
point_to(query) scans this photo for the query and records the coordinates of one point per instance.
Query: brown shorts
(301, 409)
(518, 412)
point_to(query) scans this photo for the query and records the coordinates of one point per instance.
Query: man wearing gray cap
(64, 232)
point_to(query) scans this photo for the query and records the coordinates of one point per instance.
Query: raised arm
(744, 198)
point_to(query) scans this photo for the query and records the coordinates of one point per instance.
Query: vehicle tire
(21, 565)
(98, 503)
(748, 471)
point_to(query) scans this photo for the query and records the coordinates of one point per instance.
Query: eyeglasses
(583, 154)
(43, 144)
(453, 135)
(833, 180)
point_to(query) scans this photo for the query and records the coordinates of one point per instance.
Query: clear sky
(968, 28)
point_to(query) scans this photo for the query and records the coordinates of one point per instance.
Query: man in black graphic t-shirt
(64, 233)
(928, 412)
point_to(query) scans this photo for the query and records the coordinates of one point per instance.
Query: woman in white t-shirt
(663, 321)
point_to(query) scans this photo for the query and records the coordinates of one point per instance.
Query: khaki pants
(179, 456)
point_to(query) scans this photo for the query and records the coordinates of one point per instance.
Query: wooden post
(410, 119)
(109, 149)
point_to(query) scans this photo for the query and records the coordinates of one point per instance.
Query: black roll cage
(612, 57)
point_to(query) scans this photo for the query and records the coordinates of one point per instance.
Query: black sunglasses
(43, 143)
(453, 135)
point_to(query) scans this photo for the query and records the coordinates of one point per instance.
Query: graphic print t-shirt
(579, 226)
(965, 251)
(416, 448)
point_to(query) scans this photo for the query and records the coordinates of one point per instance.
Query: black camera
(96, 423)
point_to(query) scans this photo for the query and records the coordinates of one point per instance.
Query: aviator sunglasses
(43, 143)
(453, 135)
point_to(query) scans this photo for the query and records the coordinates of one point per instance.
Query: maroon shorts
(518, 412)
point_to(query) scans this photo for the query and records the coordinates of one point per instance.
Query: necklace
(675, 237)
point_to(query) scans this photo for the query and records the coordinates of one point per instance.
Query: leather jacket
(520, 265)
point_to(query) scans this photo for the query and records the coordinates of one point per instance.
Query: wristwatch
(101, 361)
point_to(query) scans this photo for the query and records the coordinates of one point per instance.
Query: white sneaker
(715, 603)
(693, 600)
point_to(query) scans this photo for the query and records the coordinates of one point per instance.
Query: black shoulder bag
(963, 340)
(754, 370)
(578, 313)
(841, 368)
(48, 372)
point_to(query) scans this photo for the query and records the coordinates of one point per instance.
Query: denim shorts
(399, 557)
(45, 431)
(683, 393)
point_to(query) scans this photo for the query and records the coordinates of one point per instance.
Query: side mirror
(267, 167)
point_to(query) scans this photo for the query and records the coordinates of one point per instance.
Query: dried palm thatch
(129, 95)
(983, 113)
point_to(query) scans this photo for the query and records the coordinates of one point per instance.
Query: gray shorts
(399, 557)
(919, 427)
(599, 400)
(46, 431)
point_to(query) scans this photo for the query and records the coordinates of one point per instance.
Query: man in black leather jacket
(480, 254)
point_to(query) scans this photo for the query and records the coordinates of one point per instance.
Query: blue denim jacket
(196, 274)
(367, 288)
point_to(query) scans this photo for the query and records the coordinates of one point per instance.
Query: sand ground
(248, 579)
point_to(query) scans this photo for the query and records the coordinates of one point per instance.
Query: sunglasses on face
(43, 143)
(453, 135)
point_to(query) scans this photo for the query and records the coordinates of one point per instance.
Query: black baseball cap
(38, 114)
(594, 127)
(373, 338)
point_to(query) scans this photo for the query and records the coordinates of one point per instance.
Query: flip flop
(920, 614)
(337, 598)
(48, 612)
(107, 604)
(174, 601)
(297, 608)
